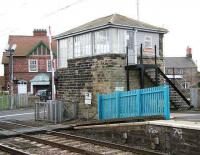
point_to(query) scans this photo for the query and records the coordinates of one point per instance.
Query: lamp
(11, 49)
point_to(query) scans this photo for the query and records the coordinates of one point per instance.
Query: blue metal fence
(135, 103)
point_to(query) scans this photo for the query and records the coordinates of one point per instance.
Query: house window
(49, 69)
(186, 85)
(181, 71)
(33, 65)
(148, 42)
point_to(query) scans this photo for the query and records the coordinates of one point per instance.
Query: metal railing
(175, 88)
(50, 111)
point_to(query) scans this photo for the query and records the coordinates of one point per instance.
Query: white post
(138, 10)
(52, 66)
(31, 88)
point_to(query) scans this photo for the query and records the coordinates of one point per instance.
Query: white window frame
(149, 40)
(48, 69)
(36, 65)
(181, 71)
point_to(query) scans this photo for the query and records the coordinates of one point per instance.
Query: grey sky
(180, 17)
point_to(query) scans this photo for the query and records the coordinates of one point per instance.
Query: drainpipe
(57, 54)
(135, 45)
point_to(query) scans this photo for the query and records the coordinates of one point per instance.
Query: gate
(135, 103)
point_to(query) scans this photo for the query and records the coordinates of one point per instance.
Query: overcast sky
(180, 17)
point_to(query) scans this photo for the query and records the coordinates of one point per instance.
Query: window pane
(49, 66)
(44, 51)
(130, 39)
(62, 56)
(33, 67)
(101, 42)
(70, 47)
(48, 51)
(148, 42)
(122, 36)
(82, 45)
(77, 46)
(113, 37)
(39, 50)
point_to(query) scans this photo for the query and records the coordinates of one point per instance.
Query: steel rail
(58, 145)
(88, 140)
(50, 143)
(107, 144)
(12, 151)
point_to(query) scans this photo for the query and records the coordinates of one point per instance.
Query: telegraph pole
(11, 50)
(52, 66)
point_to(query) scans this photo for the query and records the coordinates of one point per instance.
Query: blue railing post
(117, 95)
(138, 102)
(99, 97)
(166, 103)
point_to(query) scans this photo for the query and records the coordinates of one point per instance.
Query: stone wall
(166, 139)
(97, 74)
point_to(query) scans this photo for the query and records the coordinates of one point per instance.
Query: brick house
(2, 83)
(92, 58)
(182, 69)
(31, 62)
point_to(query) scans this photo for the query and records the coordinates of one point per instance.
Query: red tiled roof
(25, 44)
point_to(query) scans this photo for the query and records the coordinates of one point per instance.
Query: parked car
(42, 94)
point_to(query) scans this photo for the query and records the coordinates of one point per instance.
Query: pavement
(21, 114)
(176, 124)
(186, 116)
(28, 114)
(189, 119)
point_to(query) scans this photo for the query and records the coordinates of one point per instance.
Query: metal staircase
(179, 96)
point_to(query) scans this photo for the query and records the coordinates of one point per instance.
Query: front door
(22, 87)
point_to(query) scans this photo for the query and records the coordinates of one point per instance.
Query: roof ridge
(113, 16)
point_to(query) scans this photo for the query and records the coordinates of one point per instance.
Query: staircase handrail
(175, 88)
(180, 86)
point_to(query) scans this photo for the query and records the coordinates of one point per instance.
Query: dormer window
(41, 50)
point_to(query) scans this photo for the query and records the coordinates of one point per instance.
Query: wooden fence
(8, 102)
(135, 103)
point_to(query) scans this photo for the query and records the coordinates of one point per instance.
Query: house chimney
(39, 32)
(189, 52)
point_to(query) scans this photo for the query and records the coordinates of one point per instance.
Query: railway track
(53, 142)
